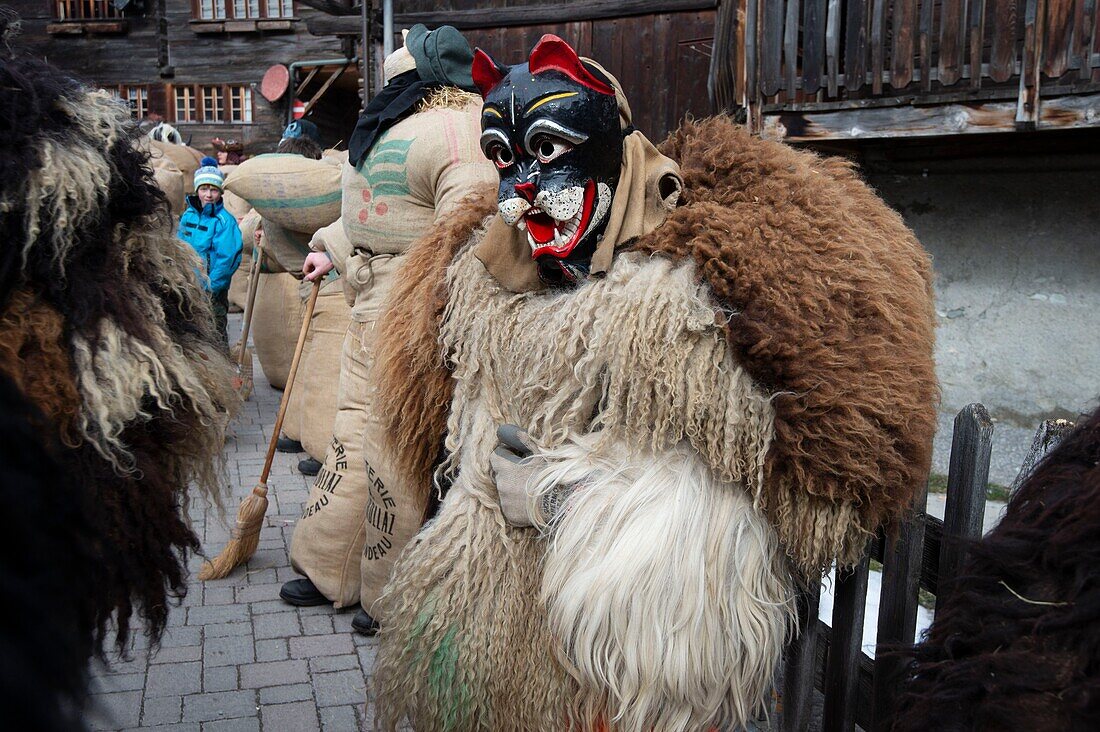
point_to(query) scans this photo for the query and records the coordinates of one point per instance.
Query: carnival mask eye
(501, 156)
(497, 147)
(547, 148)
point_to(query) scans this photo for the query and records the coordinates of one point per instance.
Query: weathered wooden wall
(131, 57)
(814, 69)
(660, 60)
(658, 49)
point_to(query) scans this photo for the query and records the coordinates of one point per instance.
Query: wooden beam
(801, 664)
(324, 88)
(1059, 113)
(332, 7)
(529, 15)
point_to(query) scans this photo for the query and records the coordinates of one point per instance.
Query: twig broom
(250, 515)
(242, 382)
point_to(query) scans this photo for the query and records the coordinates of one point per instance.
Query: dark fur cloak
(1016, 641)
(105, 329)
(828, 299)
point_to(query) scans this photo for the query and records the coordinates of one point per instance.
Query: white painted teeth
(522, 224)
(558, 240)
(531, 242)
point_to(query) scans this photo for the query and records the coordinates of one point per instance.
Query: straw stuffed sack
(314, 398)
(238, 286)
(232, 202)
(334, 156)
(287, 248)
(169, 176)
(187, 159)
(275, 325)
(290, 190)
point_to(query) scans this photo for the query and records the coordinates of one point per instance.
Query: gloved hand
(514, 466)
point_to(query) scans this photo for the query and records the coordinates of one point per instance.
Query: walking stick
(242, 382)
(250, 516)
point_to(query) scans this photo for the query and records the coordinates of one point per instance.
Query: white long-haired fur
(665, 587)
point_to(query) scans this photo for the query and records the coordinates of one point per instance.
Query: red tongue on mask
(541, 226)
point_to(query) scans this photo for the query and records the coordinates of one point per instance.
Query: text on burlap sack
(379, 515)
(327, 480)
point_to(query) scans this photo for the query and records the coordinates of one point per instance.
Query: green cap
(442, 55)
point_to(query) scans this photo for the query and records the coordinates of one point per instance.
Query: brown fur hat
(829, 304)
(830, 307)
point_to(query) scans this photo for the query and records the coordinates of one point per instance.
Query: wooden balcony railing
(800, 68)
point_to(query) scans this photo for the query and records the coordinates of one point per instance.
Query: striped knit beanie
(209, 174)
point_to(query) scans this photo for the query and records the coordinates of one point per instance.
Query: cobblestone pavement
(235, 657)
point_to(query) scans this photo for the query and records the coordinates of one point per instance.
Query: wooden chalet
(659, 50)
(198, 64)
(812, 70)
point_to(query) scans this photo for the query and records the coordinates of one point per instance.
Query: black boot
(285, 444)
(364, 624)
(303, 593)
(309, 466)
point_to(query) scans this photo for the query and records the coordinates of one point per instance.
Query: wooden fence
(923, 553)
(893, 61)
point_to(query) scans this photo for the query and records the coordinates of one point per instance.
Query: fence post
(842, 669)
(897, 616)
(967, 479)
(801, 664)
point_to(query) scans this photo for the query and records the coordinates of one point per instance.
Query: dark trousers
(220, 302)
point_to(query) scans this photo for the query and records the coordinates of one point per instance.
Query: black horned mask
(551, 126)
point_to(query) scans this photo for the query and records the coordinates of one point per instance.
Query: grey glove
(514, 466)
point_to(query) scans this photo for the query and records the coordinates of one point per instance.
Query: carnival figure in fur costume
(672, 384)
(104, 328)
(1016, 640)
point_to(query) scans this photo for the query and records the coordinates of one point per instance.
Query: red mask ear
(552, 52)
(487, 74)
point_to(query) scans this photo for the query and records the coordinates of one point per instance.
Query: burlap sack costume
(314, 399)
(238, 286)
(293, 191)
(275, 325)
(416, 174)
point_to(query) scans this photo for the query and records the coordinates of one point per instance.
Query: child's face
(208, 194)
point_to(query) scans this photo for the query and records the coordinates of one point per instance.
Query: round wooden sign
(275, 83)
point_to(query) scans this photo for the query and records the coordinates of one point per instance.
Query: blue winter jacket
(213, 233)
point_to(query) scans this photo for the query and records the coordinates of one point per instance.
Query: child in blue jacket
(213, 233)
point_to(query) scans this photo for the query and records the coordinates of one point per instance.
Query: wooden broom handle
(250, 304)
(290, 380)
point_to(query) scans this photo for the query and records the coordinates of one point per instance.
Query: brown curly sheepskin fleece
(415, 386)
(32, 354)
(830, 297)
(829, 300)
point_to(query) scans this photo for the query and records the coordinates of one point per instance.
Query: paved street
(235, 657)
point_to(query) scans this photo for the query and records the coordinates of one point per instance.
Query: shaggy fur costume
(773, 338)
(1016, 643)
(675, 419)
(830, 307)
(47, 556)
(416, 384)
(828, 302)
(104, 327)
